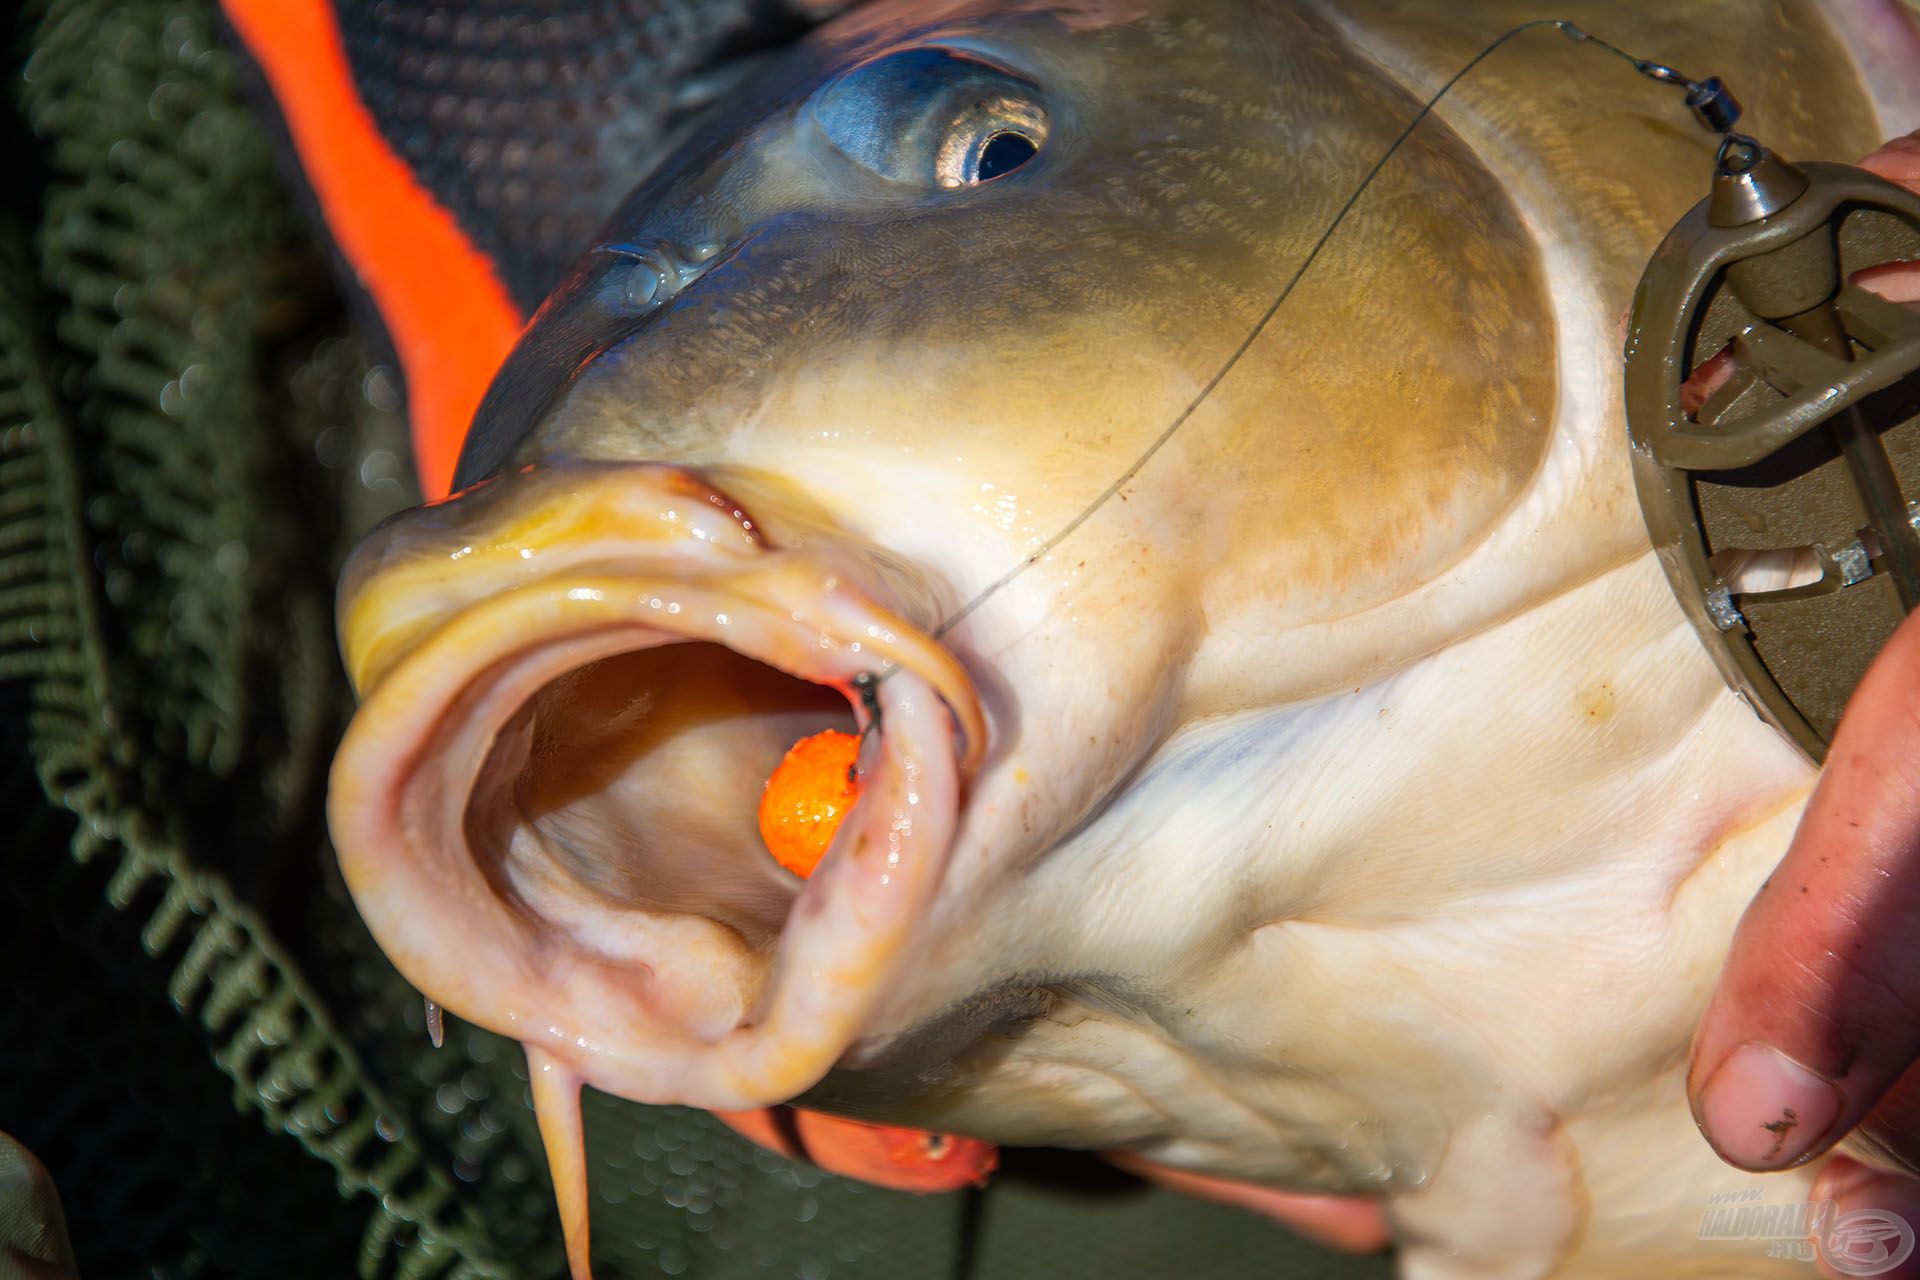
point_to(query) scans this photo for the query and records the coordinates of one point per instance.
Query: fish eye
(932, 118)
(1003, 153)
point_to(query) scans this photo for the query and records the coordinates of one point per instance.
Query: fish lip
(620, 994)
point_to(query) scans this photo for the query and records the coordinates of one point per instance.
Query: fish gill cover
(220, 1071)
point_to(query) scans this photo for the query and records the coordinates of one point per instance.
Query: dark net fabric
(197, 1038)
(529, 120)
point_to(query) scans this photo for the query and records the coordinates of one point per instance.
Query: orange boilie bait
(807, 796)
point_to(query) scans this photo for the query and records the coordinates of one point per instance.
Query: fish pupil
(1004, 153)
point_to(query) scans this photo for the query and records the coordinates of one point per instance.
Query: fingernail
(1763, 1111)
(1871, 1232)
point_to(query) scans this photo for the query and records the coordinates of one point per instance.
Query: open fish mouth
(574, 682)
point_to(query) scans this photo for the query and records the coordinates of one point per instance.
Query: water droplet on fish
(436, 1025)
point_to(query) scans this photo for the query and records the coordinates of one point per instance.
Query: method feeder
(1774, 412)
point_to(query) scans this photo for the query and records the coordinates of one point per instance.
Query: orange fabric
(884, 1155)
(450, 318)
(1355, 1224)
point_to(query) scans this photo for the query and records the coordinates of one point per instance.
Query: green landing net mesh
(198, 1040)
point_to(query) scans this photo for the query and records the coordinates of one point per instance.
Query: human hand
(1813, 1035)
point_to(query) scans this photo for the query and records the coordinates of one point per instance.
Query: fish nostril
(657, 271)
(642, 286)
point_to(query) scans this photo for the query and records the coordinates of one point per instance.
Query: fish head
(1120, 418)
(940, 336)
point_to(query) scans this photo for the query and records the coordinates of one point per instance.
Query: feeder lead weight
(1713, 105)
(1751, 183)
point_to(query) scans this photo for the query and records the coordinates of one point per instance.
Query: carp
(1281, 757)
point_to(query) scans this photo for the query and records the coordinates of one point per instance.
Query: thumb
(1815, 1015)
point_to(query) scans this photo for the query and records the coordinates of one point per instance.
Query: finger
(1898, 161)
(1873, 1220)
(1818, 1010)
(1889, 1139)
(1763, 1112)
